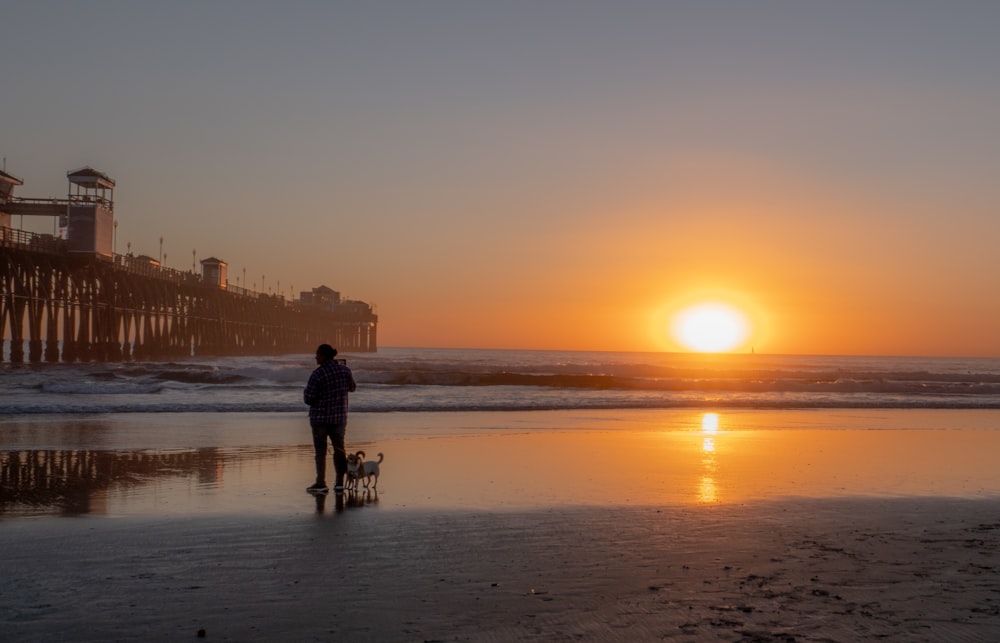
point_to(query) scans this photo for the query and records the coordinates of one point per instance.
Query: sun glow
(711, 327)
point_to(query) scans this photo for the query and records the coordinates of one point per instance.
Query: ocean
(463, 380)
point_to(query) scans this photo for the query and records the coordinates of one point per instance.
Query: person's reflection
(338, 503)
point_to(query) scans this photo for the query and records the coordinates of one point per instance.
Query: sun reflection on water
(708, 491)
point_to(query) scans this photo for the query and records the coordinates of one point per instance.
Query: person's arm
(309, 394)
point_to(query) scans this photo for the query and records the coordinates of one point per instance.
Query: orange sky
(547, 176)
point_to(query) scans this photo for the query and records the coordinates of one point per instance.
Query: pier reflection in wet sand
(149, 464)
(86, 481)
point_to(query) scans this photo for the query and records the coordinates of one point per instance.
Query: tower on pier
(90, 213)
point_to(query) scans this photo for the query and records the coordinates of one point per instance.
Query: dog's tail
(380, 458)
(360, 454)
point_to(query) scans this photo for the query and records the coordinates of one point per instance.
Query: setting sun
(711, 327)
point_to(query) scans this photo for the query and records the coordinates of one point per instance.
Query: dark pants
(334, 433)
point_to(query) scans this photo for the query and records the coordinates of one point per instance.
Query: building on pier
(213, 271)
(86, 214)
(320, 297)
(7, 185)
(90, 213)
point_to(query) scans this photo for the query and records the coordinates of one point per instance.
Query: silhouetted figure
(326, 394)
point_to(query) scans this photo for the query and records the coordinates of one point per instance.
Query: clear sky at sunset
(550, 175)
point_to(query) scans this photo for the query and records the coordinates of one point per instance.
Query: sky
(561, 175)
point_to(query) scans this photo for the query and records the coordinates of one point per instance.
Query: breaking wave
(397, 379)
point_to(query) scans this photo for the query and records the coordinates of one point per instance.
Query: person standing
(326, 394)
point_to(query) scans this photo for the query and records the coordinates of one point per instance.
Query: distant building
(321, 297)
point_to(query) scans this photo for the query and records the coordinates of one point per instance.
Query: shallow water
(249, 464)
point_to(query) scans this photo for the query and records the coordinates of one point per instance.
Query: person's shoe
(319, 487)
(338, 488)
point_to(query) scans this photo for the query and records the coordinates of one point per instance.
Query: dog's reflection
(345, 500)
(362, 498)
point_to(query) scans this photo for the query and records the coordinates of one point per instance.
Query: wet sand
(612, 531)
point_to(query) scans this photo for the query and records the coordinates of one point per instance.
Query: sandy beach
(618, 530)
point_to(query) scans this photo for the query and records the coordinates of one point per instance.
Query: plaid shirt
(326, 393)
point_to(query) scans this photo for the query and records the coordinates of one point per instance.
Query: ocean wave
(896, 383)
(85, 387)
(453, 380)
(200, 377)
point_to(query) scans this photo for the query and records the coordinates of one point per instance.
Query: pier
(70, 297)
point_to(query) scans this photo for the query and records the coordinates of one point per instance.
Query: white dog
(360, 469)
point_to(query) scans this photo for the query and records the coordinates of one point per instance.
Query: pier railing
(53, 245)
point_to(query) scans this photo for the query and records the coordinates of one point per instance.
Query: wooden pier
(68, 307)
(70, 297)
